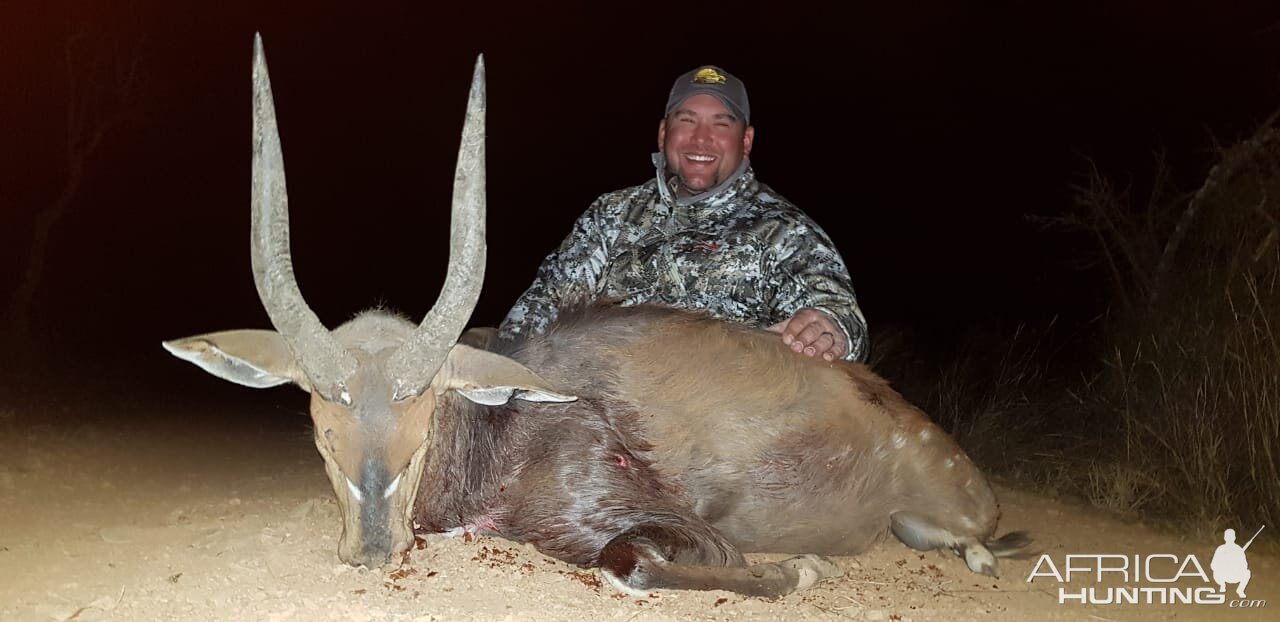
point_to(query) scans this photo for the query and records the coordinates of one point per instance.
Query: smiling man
(704, 234)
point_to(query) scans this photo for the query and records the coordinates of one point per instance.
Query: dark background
(920, 135)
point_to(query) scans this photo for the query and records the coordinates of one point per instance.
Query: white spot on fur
(924, 435)
(899, 440)
(949, 463)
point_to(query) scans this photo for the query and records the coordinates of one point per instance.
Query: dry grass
(1196, 397)
(1175, 416)
(1191, 378)
(1181, 421)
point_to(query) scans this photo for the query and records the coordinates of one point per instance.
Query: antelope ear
(492, 379)
(253, 358)
(482, 337)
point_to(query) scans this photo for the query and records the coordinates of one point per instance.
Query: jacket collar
(712, 199)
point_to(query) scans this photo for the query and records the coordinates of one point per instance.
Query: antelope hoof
(645, 555)
(980, 560)
(811, 569)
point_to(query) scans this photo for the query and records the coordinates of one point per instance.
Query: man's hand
(813, 333)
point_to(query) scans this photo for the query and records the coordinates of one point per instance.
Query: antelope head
(375, 381)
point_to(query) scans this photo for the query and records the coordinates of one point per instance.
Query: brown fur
(728, 438)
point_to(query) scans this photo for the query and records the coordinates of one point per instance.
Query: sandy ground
(220, 510)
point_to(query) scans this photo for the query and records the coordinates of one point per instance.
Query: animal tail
(1012, 545)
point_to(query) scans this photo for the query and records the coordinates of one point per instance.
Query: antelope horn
(416, 362)
(326, 363)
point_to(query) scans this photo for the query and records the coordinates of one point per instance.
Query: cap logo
(708, 75)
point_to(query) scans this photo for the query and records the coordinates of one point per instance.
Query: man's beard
(681, 187)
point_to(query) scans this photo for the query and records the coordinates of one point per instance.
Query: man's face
(703, 142)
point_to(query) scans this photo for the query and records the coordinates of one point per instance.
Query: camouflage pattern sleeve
(568, 275)
(811, 273)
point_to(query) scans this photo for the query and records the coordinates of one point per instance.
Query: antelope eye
(404, 394)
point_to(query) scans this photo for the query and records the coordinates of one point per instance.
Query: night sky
(920, 136)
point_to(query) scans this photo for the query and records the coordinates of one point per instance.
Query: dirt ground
(220, 510)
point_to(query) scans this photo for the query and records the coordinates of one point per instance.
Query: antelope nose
(370, 557)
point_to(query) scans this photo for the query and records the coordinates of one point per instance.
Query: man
(705, 234)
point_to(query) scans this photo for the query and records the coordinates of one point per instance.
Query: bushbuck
(655, 443)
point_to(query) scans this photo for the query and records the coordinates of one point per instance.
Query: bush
(1186, 402)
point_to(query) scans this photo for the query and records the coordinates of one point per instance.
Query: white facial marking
(391, 489)
(355, 492)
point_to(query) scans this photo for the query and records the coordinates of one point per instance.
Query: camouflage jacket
(739, 251)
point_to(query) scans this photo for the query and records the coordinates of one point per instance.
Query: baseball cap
(715, 81)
